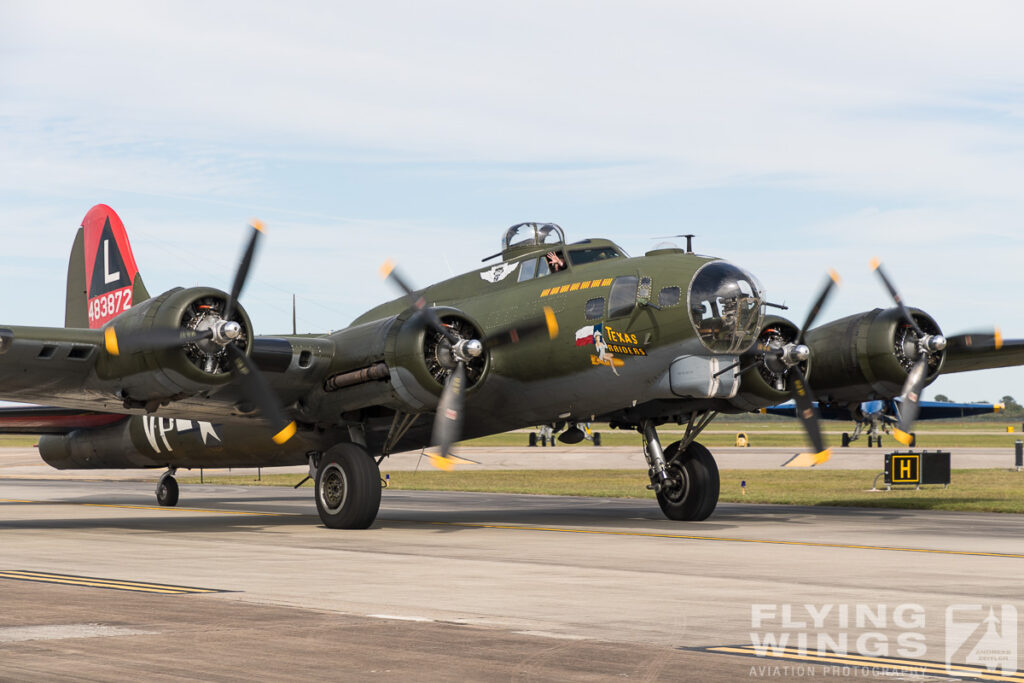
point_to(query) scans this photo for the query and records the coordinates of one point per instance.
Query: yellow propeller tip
(386, 268)
(441, 462)
(552, 321)
(808, 459)
(257, 224)
(998, 407)
(875, 263)
(903, 437)
(110, 342)
(286, 433)
(834, 275)
(998, 339)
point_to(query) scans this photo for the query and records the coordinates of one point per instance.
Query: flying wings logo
(109, 266)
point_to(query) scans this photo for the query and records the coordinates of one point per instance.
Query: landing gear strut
(167, 489)
(684, 480)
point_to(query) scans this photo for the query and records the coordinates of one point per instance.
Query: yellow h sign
(906, 468)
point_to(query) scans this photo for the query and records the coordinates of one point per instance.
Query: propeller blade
(156, 339)
(388, 271)
(976, 341)
(833, 280)
(808, 415)
(877, 266)
(517, 333)
(448, 420)
(910, 405)
(243, 267)
(256, 389)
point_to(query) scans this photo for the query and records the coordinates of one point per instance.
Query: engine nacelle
(868, 356)
(765, 385)
(399, 362)
(179, 372)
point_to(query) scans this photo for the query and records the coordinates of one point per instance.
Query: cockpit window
(578, 257)
(528, 234)
(726, 307)
(527, 269)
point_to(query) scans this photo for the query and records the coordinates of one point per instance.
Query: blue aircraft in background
(880, 417)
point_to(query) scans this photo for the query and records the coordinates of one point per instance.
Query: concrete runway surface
(240, 583)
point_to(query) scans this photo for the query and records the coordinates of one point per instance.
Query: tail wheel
(347, 487)
(693, 495)
(167, 491)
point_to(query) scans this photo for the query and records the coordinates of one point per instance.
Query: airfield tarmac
(97, 583)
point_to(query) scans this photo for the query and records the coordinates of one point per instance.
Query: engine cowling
(868, 355)
(765, 385)
(187, 370)
(424, 355)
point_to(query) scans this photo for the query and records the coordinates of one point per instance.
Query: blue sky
(789, 137)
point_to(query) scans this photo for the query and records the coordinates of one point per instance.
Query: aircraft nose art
(110, 266)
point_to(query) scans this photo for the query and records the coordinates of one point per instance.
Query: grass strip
(972, 490)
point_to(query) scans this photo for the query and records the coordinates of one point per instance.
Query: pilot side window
(527, 270)
(595, 309)
(668, 296)
(622, 297)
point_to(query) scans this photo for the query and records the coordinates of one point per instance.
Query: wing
(44, 420)
(933, 410)
(825, 410)
(964, 358)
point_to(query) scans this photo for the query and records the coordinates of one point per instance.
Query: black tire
(551, 441)
(543, 440)
(347, 487)
(533, 439)
(167, 491)
(878, 441)
(913, 440)
(846, 440)
(871, 441)
(597, 438)
(696, 497)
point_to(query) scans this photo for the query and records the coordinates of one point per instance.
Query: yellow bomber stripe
(110, 341)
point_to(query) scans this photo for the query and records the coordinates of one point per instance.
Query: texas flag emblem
(585, 335)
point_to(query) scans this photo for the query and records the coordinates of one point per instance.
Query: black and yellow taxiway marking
(146, 507)
(913, 666)
(94, 582)
(726, 539)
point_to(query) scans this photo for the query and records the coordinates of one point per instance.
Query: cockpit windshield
(529, 234)
(726, 307)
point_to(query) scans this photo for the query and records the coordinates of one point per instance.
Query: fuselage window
(622, 297)
(578, 257)
(527, 270)
(668, 296)
(595, 309)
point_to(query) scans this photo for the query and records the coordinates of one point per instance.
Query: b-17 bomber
(545, 332)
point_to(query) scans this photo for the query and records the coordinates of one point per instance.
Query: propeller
(926, 346)
(449, 415)
(784, 360)
(223, 331)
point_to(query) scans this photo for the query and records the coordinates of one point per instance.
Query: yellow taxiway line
(691, 537)
(150, 507)
(94, 582)
(909, 665)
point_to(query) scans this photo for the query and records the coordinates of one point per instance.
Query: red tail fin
(110, 270)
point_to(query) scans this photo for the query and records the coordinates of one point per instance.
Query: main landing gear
(347, 487)
(685, 480)
(167, 489)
